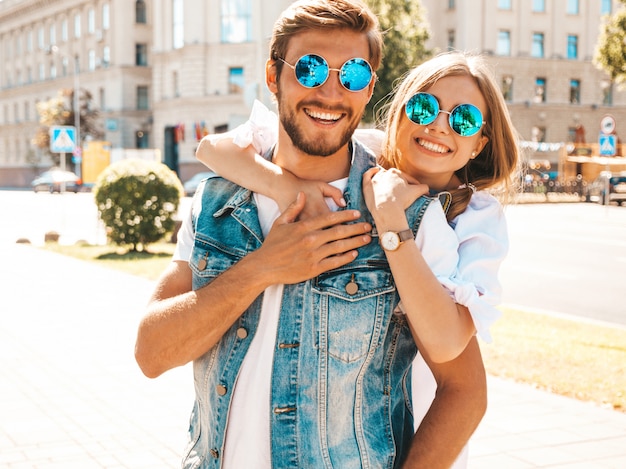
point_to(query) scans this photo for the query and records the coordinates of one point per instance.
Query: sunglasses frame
(450, 113)
(339, 71)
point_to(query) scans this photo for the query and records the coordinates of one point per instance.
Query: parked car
(52, 179)
(607, 184)
(192, 184)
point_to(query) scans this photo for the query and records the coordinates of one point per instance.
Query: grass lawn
(583, 360)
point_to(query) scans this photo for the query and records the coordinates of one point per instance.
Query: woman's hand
(389, 192)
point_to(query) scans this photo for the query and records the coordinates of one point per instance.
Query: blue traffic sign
(608, 144)
(62, 138)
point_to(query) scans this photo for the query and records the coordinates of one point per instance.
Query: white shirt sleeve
(185, 239)
(483, 244)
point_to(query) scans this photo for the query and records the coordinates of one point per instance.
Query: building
(209, 65)
(163, 73)
(98, 45)
(541, 52)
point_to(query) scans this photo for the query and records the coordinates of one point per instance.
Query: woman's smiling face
(432, 153)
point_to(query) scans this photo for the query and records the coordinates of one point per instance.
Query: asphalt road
(567, 258)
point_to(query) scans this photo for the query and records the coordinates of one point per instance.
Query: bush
(137, 201)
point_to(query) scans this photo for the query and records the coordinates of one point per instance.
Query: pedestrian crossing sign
(62, 138)
(608, 144)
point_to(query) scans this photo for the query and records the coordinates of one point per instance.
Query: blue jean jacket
(340, 392)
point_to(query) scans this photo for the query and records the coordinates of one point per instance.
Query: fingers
(293, 210)
(334, 193)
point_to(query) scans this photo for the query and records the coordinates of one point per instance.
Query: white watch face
(390, 241)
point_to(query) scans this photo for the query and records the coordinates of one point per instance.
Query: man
(299, 358)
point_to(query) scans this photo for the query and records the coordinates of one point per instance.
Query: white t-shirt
(248, 433)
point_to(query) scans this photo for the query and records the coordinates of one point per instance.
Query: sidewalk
(71, 395)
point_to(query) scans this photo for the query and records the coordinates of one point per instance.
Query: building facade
(101, 46)
(541, 52)
(163, 73)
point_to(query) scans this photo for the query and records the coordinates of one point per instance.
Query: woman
(448, 132)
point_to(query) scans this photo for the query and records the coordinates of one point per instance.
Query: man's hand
(295, 251)
(315, 191)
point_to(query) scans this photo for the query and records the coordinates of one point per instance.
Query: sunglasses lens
(466, 120)
(422, 108)
(355, 74)
(311, 70)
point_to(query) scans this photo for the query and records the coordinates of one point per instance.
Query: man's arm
(180, 325)
(459, 406)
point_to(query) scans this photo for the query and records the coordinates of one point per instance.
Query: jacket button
(242, 333)
(202, 264)
(221, 389)
(215, 453)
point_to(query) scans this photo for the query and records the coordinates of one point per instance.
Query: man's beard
(316, 147)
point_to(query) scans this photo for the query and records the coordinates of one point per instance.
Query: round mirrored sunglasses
(312, 71)
(465, 119)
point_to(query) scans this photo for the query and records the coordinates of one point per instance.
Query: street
(567, 258)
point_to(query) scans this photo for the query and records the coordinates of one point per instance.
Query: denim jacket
(340, 392)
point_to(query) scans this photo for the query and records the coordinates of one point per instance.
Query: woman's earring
(473, 154)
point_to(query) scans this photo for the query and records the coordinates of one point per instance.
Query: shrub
(137, 201)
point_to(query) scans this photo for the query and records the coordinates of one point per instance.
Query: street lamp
(54, 50)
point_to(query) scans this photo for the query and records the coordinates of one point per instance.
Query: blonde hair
(495, 166)
(326, 15)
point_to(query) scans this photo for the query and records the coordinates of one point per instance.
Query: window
(538, 134)
(53, 70)
(451, 4)
(504, 43)
(537, 47)
(507, 88)
(106, 56)
(103, 98)
(236, 21)
(52, 35)
(77, 26)
(141, 139)
(451, 39)
(572, 7)
(178, 24)
(140, 12)
(106, 19)
(92, 60)
(605, 7)
(572, 46)
(504, 4)
(235, 80)
(141, 55)
(64, 34)
(175, 84)
(607, 92)
(574, 91)
(539, 6)
(40, 40)
(540, 90)
(142, 98)
(91, 21)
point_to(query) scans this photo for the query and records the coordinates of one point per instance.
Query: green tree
(60, 111)
(137, 201)
(405, 32)
(610, 53)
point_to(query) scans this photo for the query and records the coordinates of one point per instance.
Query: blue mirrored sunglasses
(465, 119)
(312, 71)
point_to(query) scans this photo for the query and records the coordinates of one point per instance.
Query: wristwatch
(391, 240)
